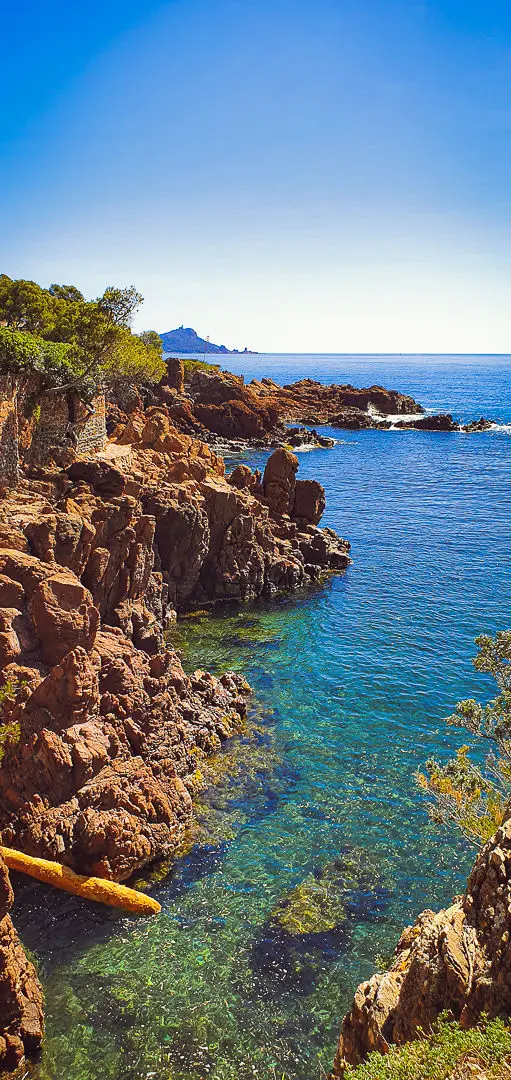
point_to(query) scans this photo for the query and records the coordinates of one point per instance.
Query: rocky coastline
(103, 733)
(227, 413)
(457, 960)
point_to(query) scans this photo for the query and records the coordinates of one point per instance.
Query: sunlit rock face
(21, 997)
(457, 959)
(95, 559)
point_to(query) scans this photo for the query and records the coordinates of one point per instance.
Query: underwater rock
(287, 963)
(312, 923)
(350, 887)
(201, 861)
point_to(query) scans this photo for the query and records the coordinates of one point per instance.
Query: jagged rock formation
(21, 997)
(311, 402)
(457, 959)
(221, 409)
(102, 732)
(442, 422)
(208, 403)
(95, 559)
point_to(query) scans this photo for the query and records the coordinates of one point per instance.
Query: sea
(352, 683)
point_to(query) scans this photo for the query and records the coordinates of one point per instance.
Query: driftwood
(91, 888)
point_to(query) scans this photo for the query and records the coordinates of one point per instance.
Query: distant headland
(186, 340)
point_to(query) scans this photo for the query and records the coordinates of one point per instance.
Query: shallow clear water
(351, 683)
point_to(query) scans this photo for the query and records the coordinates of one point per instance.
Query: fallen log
(91, 888)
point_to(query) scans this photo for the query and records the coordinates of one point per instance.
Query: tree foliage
(119, 305)
(25, 306)
(151, 337)
(475, 796)
(75, 343)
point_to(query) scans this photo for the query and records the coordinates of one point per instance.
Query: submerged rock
(350, 887)
(313, 922)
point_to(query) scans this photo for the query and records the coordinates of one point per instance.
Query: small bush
(435, 1056)
(191, 366)
(9, 731)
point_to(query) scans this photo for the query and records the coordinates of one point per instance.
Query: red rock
(21, 998)
(310, 502)
(62, 538)
(63, 616)
(458, 959)
(279, 481)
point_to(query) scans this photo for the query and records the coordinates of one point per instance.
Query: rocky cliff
(213, 404)
(95, 559)
(458, 959)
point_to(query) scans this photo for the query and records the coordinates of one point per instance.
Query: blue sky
(289, 175)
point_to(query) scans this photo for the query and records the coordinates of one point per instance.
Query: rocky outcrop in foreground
(106, 731)
(458, 959)
(21, 998)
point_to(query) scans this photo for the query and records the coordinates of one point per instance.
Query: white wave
(311, 446)
(504, 428)
(393, 417)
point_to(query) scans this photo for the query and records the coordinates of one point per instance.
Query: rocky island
(185, 340)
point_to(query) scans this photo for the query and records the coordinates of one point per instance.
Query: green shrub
(191, 366)
(22, 351)
(9, 731)
(472, 795)
(435, 1056)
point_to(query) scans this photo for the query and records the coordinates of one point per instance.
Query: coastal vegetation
(476, 796)
(446, 1053)
(74, 343)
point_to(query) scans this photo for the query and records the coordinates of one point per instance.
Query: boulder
(103, 477)
(21, 996)
(279, 481)
(441, 422)
(310, 501)
(175, 377)
(63, 616)
(301, 436)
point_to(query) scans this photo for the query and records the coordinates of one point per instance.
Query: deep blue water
(351, 682)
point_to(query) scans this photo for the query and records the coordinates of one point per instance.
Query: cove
(351, 683)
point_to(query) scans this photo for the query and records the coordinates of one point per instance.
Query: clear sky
(327, 175)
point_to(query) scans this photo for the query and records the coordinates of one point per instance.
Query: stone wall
(35, 427)
(9, 453)
(63, 422)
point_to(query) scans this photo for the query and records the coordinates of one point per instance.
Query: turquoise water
(351, 683)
